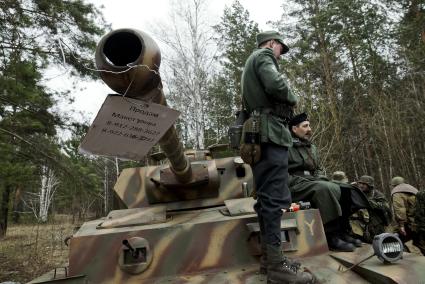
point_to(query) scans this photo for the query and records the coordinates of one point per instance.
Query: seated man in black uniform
(335, 201)
(368, 223)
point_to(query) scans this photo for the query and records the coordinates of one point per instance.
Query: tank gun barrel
(129, 61)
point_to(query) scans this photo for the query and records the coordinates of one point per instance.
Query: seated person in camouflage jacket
(306, 183)
(407, 213)
(366, 223)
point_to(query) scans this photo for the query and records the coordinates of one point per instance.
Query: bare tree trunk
(412, 159)
(74, 207)
(387, 140)
(17, 204)
(49, 183)
(4, 210)
(354, 162)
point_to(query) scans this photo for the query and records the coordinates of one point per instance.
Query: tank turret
(129, 62)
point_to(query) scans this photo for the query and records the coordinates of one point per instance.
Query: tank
(191, 220)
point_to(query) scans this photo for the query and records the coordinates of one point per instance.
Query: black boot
(349, 239)
(337, 244)
(280, 269)
(346, 201)
(263, 260)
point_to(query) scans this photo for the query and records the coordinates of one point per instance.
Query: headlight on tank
(388, 247)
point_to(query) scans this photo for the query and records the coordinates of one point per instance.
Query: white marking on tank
(310, 226)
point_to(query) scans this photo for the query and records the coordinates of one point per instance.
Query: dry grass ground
(28, 251)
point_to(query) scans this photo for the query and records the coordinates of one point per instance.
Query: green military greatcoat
(307, 184)
(263, 87)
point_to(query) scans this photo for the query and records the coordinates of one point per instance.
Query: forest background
(358, 67)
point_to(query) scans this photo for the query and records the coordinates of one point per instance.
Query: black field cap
(268, 35)
(298, 119)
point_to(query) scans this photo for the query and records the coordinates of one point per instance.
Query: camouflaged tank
(192, 220)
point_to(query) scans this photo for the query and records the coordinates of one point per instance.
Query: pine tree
(236, 40)
(340, 66)
(33, 36)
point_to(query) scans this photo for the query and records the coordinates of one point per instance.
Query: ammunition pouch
(235, 131)
(250, 153)
(250, 139)
(250, 149)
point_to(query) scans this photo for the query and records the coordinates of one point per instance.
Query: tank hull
(211, 246)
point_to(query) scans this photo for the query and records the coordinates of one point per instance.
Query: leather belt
(266, 110)
(302, 173)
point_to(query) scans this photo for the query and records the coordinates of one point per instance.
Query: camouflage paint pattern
(191, 230)
(135, 186)
(187, 243)
(206, 246)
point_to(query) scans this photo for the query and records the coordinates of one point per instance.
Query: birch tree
(49, 184)
(39, 202)
(188, 65)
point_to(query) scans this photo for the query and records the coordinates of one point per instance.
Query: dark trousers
(271, 181)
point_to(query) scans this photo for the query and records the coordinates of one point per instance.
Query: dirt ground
(28, 251)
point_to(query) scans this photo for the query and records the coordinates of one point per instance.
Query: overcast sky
(141, 14)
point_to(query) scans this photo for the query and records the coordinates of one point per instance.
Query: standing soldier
(403, 197)
(366, 223)
(269, 100)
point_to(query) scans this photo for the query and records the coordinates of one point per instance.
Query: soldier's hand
(402, 231)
